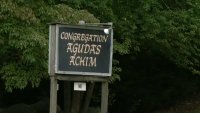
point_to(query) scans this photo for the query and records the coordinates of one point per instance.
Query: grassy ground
(191, 105)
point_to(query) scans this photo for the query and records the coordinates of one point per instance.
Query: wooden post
(76, 102)
(53, 95)
(67, 96)
(53, 83)
(88, 97)
(104, 97)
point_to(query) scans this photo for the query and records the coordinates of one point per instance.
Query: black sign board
(83, 50)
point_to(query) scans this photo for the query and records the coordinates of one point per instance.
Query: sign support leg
(76, 102)
(104, 97)
(67, 96)
(53, 95)
(88, 97)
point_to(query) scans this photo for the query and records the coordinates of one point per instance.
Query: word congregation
(83, 48)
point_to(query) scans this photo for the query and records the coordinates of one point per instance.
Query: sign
(79, 86)
(83, 50)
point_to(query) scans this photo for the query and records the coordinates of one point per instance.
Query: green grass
(191, 105)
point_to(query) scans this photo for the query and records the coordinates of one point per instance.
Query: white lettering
(69, 47)
(83, 61)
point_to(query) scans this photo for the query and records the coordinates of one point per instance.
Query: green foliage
(161, 27)
(24, 38)
(115, 71)
(157, 32)
(161, 31)
(166, 27)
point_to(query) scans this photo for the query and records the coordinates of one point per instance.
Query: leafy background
(156, 47)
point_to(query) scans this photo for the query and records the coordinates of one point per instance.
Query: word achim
(82, 61)
(83, 48)
(83, 37)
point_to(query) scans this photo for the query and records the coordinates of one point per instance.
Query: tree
(24, 38)
(170, 28)
(156, 42)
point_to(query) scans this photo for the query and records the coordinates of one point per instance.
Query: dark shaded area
(28, 95)
(150, 82)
